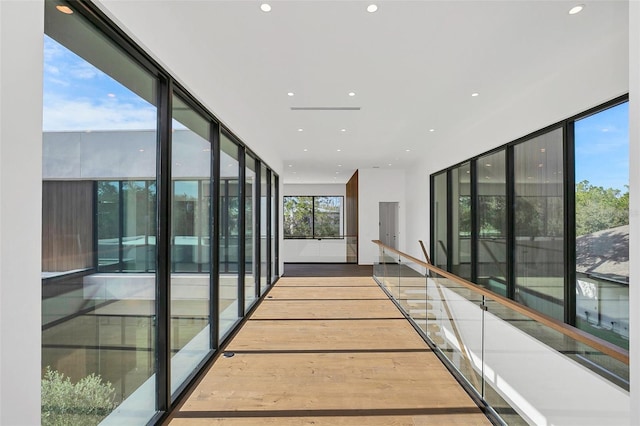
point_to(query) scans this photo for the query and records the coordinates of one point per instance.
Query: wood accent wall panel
(67, 225)
(351, 218)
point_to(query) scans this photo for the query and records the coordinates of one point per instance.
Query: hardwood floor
(327, 270)
(327, 351)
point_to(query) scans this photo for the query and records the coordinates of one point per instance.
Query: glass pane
(229, 244)
(250, 219)
(298, 217)
(274, 227)
(539, 224)
(440, 220)
(264, 240)
(461, 221)
(492, 222)
(327, 217)
(190, 254)
(99, 212)
(602, 224)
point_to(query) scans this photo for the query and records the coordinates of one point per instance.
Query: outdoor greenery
(312, 217)
(599, 208)
(85, 402)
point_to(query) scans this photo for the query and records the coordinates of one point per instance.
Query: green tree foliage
(327, 216)
(599, 208)
(85, 402)
(298, 217)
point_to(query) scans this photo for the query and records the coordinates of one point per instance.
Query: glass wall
(264, 230)
(190, 230)
(250, 270)
(440, 219)
(602, 223)
(127, 237)
(461, 221)
(539, 223)
(274, 227)
(548, 220)
(491, 216)
(229, 242)
(99, 219)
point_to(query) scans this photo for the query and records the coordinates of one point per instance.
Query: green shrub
(83, 403)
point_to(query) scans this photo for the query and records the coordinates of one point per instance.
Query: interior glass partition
(229, 280)
(250, 270)
(461, 220)
(539, 223)
(602, 223)
(440, 220)
(99, 213)
(190, 240)
(491, 216)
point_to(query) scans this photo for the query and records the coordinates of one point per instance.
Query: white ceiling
(413, 66)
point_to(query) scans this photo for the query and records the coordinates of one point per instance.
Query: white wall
(376, 186)
(21, 41)
(314, 189)
(634, 228)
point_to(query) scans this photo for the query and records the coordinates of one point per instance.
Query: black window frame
(313, 218)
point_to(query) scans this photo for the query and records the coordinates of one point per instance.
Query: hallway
(327, 351)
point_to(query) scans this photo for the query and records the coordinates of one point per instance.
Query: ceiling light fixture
(343, 130)
(576, 9)
(352, 94)
(290, 165)
(407, 150)
(290, 94)
(432, 130)
(64, 9)
(338, 150)
(305, 150)
(300, 129)
(265, 7)
(475, 94)
(372, 8)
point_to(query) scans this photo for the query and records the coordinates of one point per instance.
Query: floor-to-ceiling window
(491, 216)
(99, 210)
(229, 205)
(539, 223)
(275, 202)
(548, 222)
(265, 247)
(602, 223)
(461, 220)
(137, 288)
(250, 271)
(191, 221)
(439, 217)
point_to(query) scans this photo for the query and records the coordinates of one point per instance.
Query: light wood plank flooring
(328, 351)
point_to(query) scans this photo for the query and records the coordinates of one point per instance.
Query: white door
(388, 224)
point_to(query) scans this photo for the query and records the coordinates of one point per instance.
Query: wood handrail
(574, 333)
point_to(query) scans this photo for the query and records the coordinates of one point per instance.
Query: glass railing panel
(538, 375)
(454, 326)
(412, 291)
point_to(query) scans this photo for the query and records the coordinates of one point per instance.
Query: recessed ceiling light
(540, 165)
(542, 149)
(468, 172)
(141, 150)
(64, 9)
(343, 130)
(300, 129)
(352, 94)
(432, 130)
(265, 7)
(576, 9)
(337, 173)
(372, 8)
(339, 165)
(290, 94)
(305, 150)
(389, 164)
(338, 150)
(290, 165)
(488, 165)
(475, 94)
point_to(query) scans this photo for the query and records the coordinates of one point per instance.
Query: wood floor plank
(328, 362)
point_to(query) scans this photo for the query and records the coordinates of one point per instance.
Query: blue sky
(78, 96)
(602, 148)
